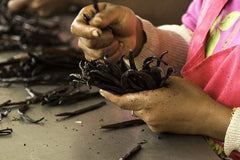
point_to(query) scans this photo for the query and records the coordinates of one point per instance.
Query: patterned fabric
(216, 147)
(213, 60)
(224, 31)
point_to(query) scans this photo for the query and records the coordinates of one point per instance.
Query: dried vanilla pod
(120, 78)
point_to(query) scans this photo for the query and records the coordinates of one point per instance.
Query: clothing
(214, 36)
(213, 60)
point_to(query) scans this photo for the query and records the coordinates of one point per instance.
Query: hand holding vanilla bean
(112, 31)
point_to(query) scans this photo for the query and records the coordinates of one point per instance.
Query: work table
(80, 137)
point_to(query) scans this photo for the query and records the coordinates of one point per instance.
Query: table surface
(80, 137)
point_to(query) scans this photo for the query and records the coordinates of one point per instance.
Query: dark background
(157, 11)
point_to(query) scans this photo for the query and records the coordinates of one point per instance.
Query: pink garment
(218, 74)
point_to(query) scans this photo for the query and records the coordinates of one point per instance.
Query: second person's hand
(112, 31)
(41, 7)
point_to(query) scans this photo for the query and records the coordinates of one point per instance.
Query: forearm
(171, 38)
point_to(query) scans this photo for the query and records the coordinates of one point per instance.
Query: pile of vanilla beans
(48, 66)
(23, 32)
(121, 78)
(47, 60)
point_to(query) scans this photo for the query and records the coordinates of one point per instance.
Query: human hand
(41, 7)
(112, 31)
(181, 107)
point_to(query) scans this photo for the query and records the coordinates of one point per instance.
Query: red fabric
(218, 74)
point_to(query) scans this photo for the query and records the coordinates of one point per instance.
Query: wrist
(217, 121)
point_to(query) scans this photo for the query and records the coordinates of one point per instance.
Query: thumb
(129, 101)
(116, 17)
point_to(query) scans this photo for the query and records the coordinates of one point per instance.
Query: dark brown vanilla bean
(85, 17)
(5, 132)
(131, 153)
(5, 103)
(95, 4)
(82, 110)
(124, 124)
(22, 113)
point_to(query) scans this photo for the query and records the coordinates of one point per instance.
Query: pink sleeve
(189, 19)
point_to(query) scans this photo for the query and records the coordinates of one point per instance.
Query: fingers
(109, 15)
(127, 101)
(100, 53)
(80, 26)
(96, 48)
(16, 5)
(100, 42)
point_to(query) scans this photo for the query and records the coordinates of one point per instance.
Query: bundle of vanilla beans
(22, 32)
(120, 78)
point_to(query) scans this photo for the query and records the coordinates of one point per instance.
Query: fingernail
(101, 92)
(95, 33)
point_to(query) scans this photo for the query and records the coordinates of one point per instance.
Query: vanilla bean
(5, 114)
(124, 124)
(82, 110)
(85, 17)
(14, 103)
(5, 132)
(95, 4)
(5, 103)
(25, 117)
(131, 153)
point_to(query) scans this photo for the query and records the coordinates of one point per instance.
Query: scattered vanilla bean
(5, 103)
(82, 110)
(5, 114)
(123, 124)
(25, 117)
(131, 153)
(5, 132)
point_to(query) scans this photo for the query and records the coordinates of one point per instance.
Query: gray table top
(80, 138)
